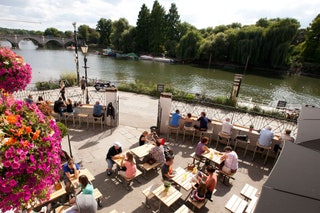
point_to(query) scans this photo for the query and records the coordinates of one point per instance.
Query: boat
(108, 52)
(163, 59)
(146, 57)
(127, 56)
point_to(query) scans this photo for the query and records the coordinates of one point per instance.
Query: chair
(268, 148)
(94, 119)
(208, 132)
(222, 136)
(189, 129)
(68, 115)
(82, 116)
(247, 142)
(173, 128)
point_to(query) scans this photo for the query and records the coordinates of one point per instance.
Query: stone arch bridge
(39, 40)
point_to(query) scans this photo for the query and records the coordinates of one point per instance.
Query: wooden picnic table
(169, 197)
(142, 151)
(214, 156)
(85, 172)
(248, 192)
(183, 178)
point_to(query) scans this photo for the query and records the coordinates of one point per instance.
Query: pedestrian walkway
(138, 113)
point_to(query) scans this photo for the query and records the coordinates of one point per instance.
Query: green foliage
(188, 47)
(104, 27)
(311, 51)
(53, 32)
(142, 30)
(63, 129)
(83, 32)
(69, 78)
(118, 30)
(45, 85)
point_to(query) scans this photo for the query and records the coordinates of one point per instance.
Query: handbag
(190, 167)
(242, 137)
(151, 160)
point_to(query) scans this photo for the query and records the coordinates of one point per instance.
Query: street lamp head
(84, 49)
(74, 24)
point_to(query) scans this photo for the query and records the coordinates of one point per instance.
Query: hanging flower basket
(15, 75)
(30, 146)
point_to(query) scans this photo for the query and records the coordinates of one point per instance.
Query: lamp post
(84, 49)
(76, 51)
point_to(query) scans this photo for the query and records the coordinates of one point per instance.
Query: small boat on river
(157, 59)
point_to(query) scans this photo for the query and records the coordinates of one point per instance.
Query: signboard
(160, 88)
(281, 104)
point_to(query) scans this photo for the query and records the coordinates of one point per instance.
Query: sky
(60, 14)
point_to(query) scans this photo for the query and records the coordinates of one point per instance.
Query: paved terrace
(138, 113)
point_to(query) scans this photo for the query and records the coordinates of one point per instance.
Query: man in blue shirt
(266, 136)
(98, 110)
(175, 118)
(70, 169)
(203, 122)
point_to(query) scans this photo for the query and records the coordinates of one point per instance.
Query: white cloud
(202, 13)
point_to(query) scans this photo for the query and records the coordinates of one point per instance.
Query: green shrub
(69, 78)
(45, 85)
(63, 129)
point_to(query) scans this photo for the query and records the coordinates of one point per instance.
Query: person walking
(62, 90)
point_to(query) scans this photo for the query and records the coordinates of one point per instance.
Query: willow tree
(142, 30)
(118, 27)
(189, 45)
(157, 29)
(215, 47)
(276, 44)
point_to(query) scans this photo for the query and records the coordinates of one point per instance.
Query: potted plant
(251, 127)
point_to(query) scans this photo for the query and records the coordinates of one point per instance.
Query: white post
(165, 107)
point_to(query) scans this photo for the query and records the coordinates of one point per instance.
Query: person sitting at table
(98, 110)
(285, 137)
(57, 107)
(83, 203)
(203, 122)
(70, 169)
(130, 166)
(86, 187)
(157, 153)
(199, 193)
(40, 101)
(230, 165)
(175, 117)
(210, 180)
(266, 136)
(143, 138)
(69, 106)
(166, 169)
(226, 127)
(202, 147)
(113, 153)
(188, 120)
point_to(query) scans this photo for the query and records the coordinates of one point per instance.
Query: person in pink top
(130, 166)
(210, 179)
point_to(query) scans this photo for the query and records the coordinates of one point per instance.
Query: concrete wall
(308, 124)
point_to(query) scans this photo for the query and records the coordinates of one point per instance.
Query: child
(199, 193)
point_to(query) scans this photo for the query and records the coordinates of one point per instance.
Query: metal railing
(238, 118)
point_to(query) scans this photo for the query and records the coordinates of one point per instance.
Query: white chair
(189, 129)
(222, 136)
(268, 148)
(173, 128)
(96, 119)
(83, 116)
(67, 116)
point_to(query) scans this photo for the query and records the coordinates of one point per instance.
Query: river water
(297, 90)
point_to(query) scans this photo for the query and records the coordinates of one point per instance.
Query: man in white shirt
(266, 136)
(227, 127)
(231, 161)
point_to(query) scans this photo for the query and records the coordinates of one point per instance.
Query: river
(296, 90)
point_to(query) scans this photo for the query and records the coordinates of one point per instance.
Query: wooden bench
(252, 204)
(183, 209)
(148, 194)
(226, 176)
(198, 159)
(198, 204)
(127, 181)
(147, 167)
(236, 205)
(96, 194)
(248, 192)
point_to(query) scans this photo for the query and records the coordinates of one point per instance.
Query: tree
(188, 47)
(104, 27)
(142, 30)
(311, 50)
(93, 36)
(157, 29)
(83, 32)
(215, 46)
(53, 32)
(128, 40)
(171, 32)
(68, 34)
(118, 27)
